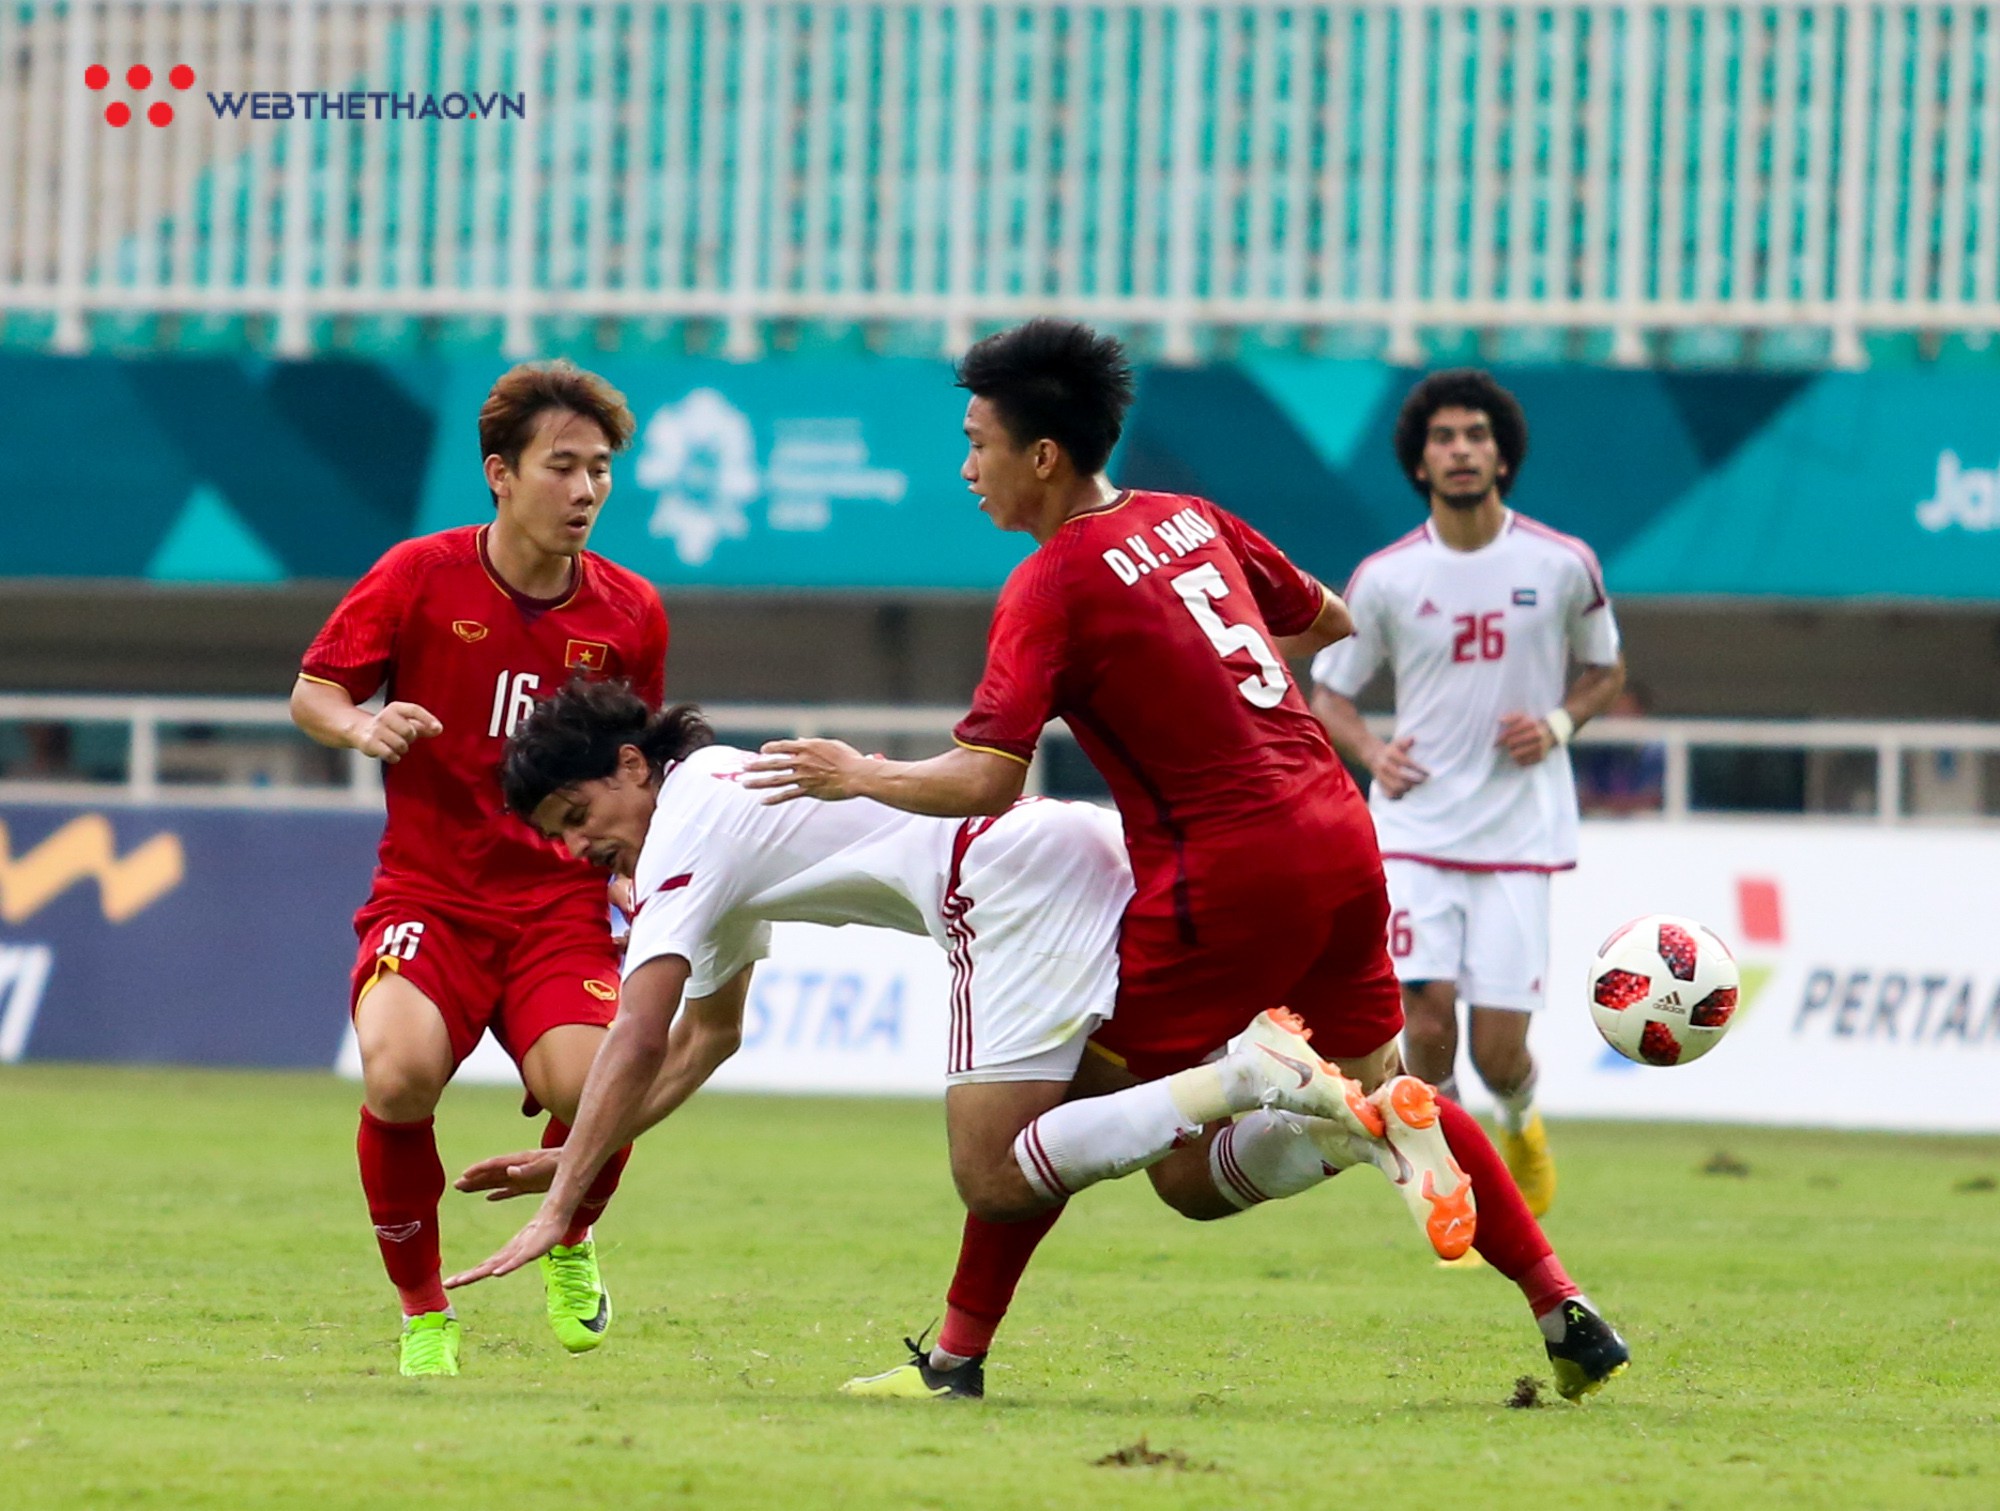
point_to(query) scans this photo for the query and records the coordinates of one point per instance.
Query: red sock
(991, 1260)
(554, 1135)
(403, 1178)
(1508, 1238)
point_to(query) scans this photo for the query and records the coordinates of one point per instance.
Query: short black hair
(1461, 388)
(1054, 380)
(575, 736)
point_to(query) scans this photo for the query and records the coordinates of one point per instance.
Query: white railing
(172, 754)
(1179, 167)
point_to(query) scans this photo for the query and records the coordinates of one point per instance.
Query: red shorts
(520, 981)
(1270, 928)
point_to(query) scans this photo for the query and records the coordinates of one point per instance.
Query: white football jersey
(720, 865)
(1471, 636)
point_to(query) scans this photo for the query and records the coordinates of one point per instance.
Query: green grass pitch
(195, 1317)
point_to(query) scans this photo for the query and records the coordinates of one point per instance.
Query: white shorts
(1030, 919)
(1488, 931)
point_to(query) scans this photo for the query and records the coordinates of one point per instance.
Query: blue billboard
(178, 935)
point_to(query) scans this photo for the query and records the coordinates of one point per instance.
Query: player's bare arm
(960, 783)
(1334, 623)
(705, 1034)
(614, 1095)
(1388, 761)
(1528, 739)
(329, 716)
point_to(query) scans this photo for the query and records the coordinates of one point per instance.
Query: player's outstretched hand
(505, 1176)
(1525, 739)
(390, 734)
(829, 770)
(1393, 769)
(526, 1246)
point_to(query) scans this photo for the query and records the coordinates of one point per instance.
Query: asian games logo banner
(699, 459)
(817, 473)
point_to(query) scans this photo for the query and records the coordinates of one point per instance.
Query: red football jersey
(1146, 626)
(433, 624)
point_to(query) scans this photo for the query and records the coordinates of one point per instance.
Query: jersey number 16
(513, 701)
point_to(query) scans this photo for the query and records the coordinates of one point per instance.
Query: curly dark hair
(1461, 388)
(1054, 380)
(575, 736)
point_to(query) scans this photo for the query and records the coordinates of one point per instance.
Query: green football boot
(918, 1381)
(579, 1305)
(430, 1345)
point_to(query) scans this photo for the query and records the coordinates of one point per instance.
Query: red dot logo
(138, 77)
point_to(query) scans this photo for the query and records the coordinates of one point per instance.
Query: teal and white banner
(842, 472)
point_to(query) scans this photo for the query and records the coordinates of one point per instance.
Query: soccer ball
(1663, 989)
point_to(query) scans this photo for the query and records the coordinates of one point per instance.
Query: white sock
(1219, 1089)
(1518, 1105)
(1266, 1156)
(1552, 1322)
(1101, 1138)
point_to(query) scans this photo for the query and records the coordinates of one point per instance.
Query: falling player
(1476, 613)
(1027, 903)
(1154, 624)
(462, 630)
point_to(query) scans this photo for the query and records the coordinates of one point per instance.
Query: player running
(1477, 613)
(462, 630)
(1028, 904)
(1154, 625)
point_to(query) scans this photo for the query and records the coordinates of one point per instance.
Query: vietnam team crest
(591, 655)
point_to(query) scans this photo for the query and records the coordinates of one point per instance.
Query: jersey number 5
(1197, 587)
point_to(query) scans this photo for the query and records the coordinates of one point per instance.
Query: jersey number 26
(1480, 637)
